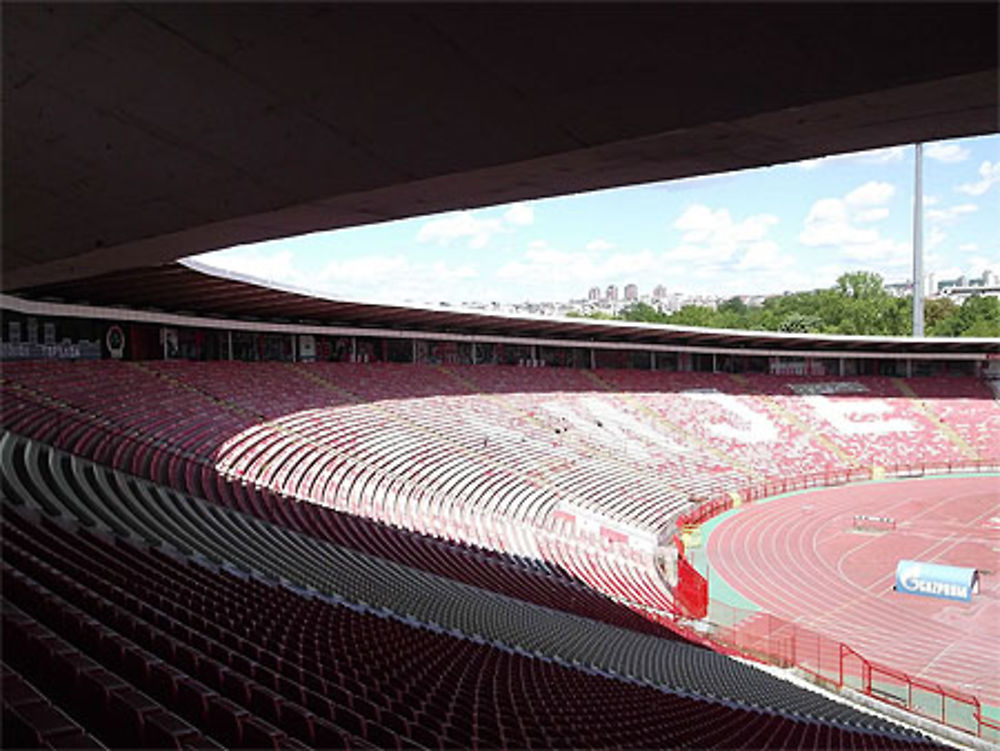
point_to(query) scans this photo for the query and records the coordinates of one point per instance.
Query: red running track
(799, 558)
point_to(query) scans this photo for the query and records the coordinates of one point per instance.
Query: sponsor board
(935, 580)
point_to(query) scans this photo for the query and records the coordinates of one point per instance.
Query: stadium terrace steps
(512, 434)
(534, 447)
(863, 421)
(957, 405)
(248, 551)
(105, 497)
(149, 650)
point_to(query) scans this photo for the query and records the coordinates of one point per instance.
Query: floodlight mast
(918, 242)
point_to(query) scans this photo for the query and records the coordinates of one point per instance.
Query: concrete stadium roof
(135, 134)
(194, 289)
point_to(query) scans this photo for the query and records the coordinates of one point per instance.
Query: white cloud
(764, 256)
(832, 223)
(944, 216)
(720, 254)
(989, 173)
(969, 247)
(599, 243)
(395, 278)
(888, 155)
(520, 215)
(949, 153)
(935, 237)
(828, 223)
(870, 194)
(873, 215)
(947, 272)
(470, 227)
(713, 235)
(362, 270)
(883, 252)
(931, 200)
(939, 218)
(459, 225)
(546, 272)
(811, 164)
(274, 267)
(978, 263)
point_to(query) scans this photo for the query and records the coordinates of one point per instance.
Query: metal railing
(777, 641)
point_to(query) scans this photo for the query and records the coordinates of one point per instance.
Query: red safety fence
(692, 590)
(777, 641)
(710, 508)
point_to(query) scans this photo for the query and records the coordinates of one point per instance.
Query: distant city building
(631, 292)
(612, 293)
(899, 289)
(988, 279)
(594, 293)
(659, 292)
(959, 290)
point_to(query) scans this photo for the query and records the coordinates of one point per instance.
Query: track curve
(799, 558)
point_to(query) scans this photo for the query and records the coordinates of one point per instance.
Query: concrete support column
(229, 337)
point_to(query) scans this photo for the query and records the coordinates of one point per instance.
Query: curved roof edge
(195, 287)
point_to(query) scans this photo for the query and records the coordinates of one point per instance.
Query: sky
(768, 230)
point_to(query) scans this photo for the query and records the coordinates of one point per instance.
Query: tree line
(858, 304)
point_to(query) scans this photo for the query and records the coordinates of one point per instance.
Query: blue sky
(761, 231)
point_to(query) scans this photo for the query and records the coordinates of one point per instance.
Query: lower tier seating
(112, 500)
(183, 526)
(108, 642)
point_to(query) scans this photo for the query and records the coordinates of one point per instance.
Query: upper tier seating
(502, 458)
(866, 421)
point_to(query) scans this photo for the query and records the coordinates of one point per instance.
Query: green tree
(642, 313)
(857, 304)
(800, 323)
(861, 285)
(694, 315)
(978, 316)
(937, 311)
(864, 307)
(734, 305)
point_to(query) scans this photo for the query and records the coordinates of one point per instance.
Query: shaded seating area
(137, 648)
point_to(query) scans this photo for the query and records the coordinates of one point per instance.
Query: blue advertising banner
(936, 580)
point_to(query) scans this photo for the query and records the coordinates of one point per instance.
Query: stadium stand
(181, 652)
(863, 419)
(381, 441)
(108, 499)
(530, 526)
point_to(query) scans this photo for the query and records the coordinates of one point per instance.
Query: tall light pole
(918, 243)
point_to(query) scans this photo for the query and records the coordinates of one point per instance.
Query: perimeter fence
(778, 641)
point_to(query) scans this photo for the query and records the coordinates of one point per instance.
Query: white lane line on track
(749, 526)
